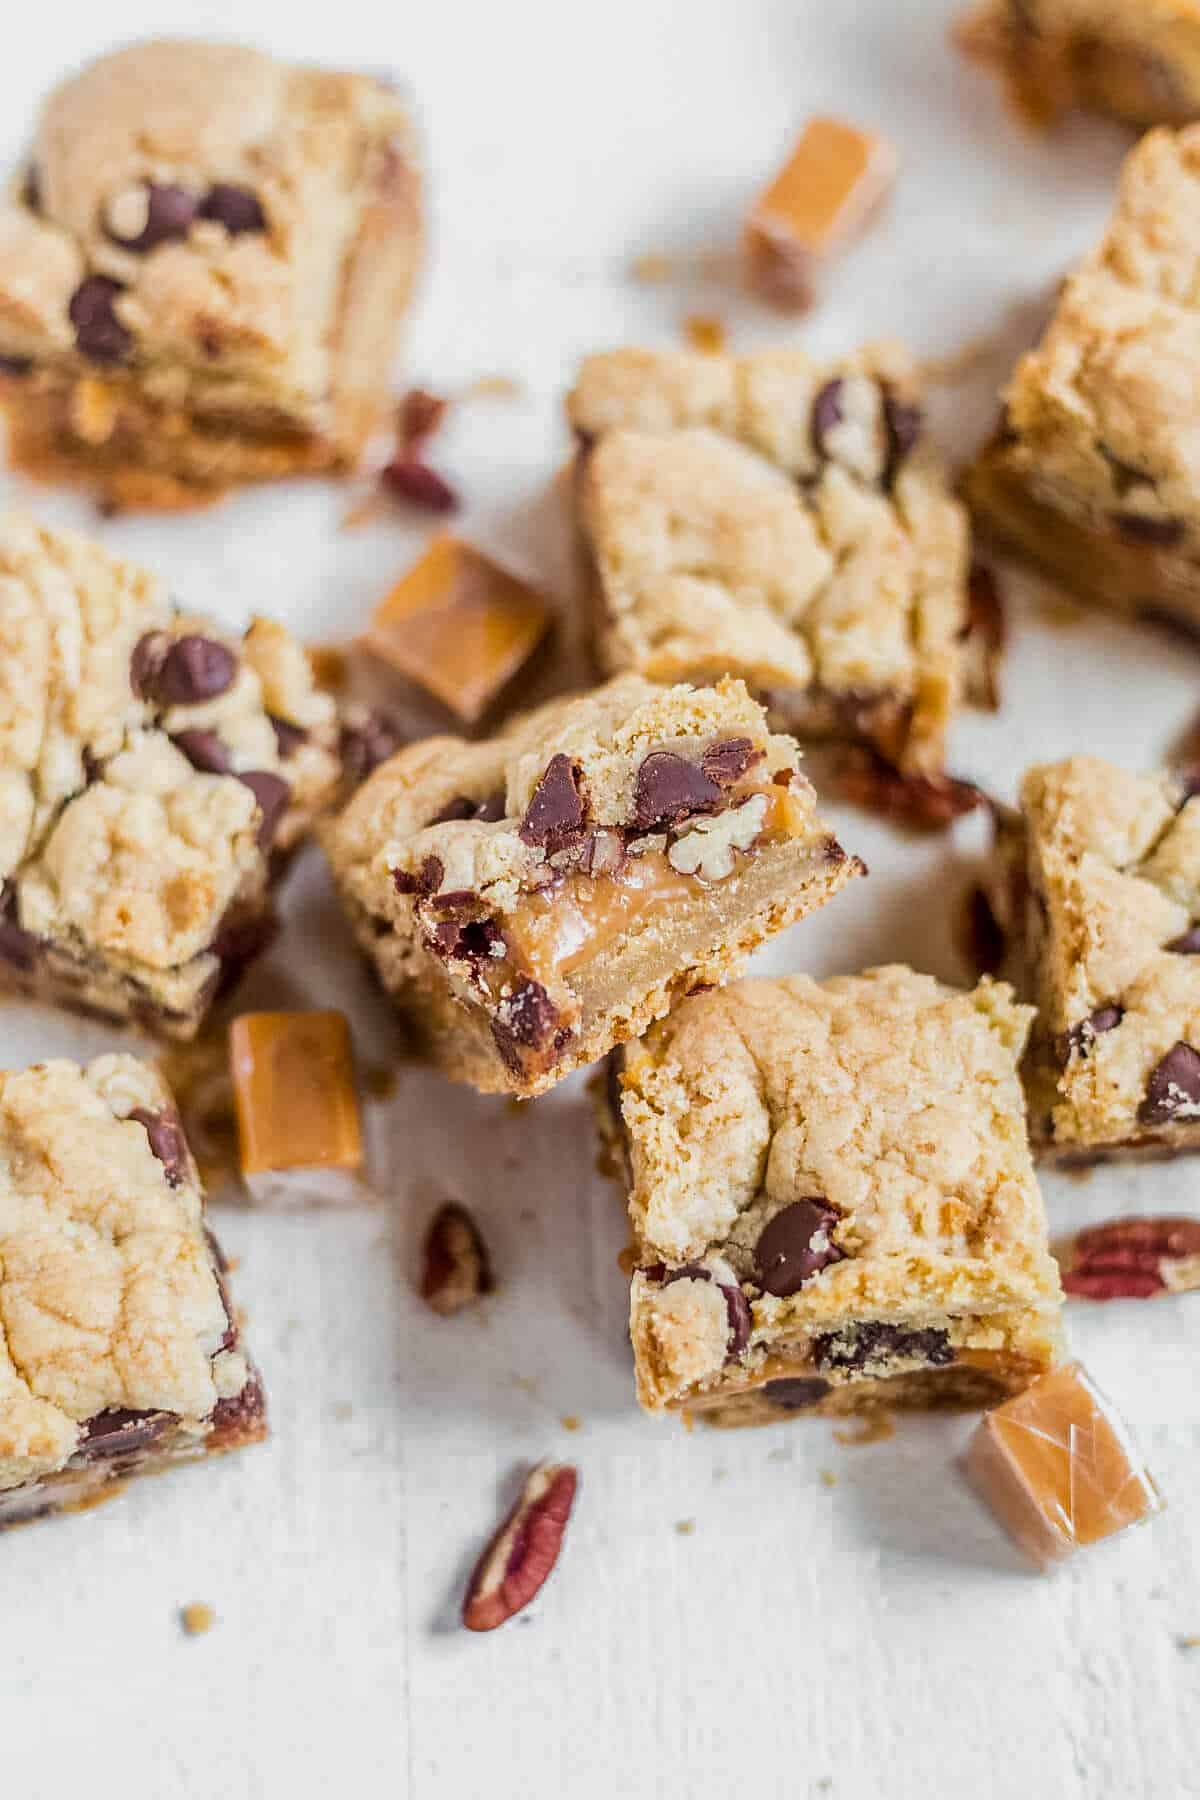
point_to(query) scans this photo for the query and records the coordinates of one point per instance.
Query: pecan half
(457, 1269)
(523, 1552)
(921, 802)
(1132, 1259)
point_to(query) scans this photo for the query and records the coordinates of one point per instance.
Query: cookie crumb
(197, 1618)
(872, 1430)
(652, 269)
(1190, 1642)
(685, 1527)
(494, 387)
(342, 1411)
(828, 1478)
(570, 1422)
(704, 333)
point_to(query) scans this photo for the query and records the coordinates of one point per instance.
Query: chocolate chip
(1145, 528)
(204, 750)
(412, 480)
(426, 880)
(366, 743)
(15, 365)
(238, 209)
(826, 413)
(166, 1141)
(1078, 1039)
(99, 334)
(555, 811)
(288, 737)
(239, 1417)
(985, 942)
(727, 762)
(1188, 944)
(1173, 1090)
(526, 1018)
(18, 948)
(272, 793)
(193, 669)
(494, 808)
(670, 788)
(240, 937)
(795, 1245)
(119, 1430)
(902, 423)
(169, 214)
(458, 808)
(874, 1341)
(31, 189)
(794, 1395)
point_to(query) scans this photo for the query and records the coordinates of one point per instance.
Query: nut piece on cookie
(1137, 60)
(458, 626)
(299, 1125)
(1058, 1468)
(788, 523)
(120, 1353)
(832, 1200)
(1091, 471)
(156, 771)
(203, 264)
(531, 900)
(1095, 889)
(819, 201)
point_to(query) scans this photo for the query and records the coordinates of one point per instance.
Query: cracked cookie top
(189, 207)
(149, 761)
(769, 516)
(1113, 865)
(108, 1292)
(868, 1130)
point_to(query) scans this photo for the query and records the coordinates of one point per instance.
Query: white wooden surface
(871, 1636)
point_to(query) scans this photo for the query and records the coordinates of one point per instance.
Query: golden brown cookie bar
(1096, 889)
(155, 772)
(1091, 472)
(531, 900)
(120, 1353)
(768, 518)
(202, 269)
(1138, 60)
(832, 1199)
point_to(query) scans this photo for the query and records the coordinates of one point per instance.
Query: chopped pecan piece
(523, 1552)
(457, 1269)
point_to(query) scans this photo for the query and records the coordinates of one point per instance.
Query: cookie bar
(155, 771)
(119, 1351)
(832, 1200)
(296, 1101)
(532, 899)
(783, 522)
(1091, 471)
(1096, 890)
(1138, 60)
(202, 269)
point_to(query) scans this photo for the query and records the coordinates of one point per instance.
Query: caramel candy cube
(821, 198)
(299, 1126)
(1058, 1468)
(459, 626)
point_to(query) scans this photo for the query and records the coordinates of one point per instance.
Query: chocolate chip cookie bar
(832, 1199)
(119, 1351)
(155, 772)
(1138, 60)
(1091, 471)
(533, 899)
(1096, 888)
(790, 524)
(202, 268)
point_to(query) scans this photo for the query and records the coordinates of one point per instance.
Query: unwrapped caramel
(1058, 1468)
(824, 194)
(459, 626)
(299, 1127)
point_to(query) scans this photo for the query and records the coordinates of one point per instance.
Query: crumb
(827, 1478)
(871, 1430)
(652, 268)
(825, 1785)
(570, 1421)
(379, 1084)
(197, 1618)
(685, 1527)
(783, 1454)
(1191, 1642)
(343, 1411)
(494, 387)
(704, 333)
(329, 667)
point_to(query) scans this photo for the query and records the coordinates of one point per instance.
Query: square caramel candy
(822, 197)
(534, 898)
(299, 1125)
(832, 1200)
(458, 626)
(1058, 1468)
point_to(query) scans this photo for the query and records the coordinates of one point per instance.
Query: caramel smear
(704, 333)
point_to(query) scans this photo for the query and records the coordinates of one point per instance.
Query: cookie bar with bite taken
(535, 898)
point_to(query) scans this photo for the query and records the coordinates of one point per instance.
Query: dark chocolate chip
(412, 480)
(118, 1431)
(826, 413)
(167, 1141)
(874, 1341)
(1146, 528)
(795, 1246)
(670, 788)
(194, 669)
(1078, 1040)
(494, 808)
(15, 365)
(238, 1417)
(796, 1394)
(427, 879)
(272, 793)
(241, 936)
(1188, 944)
(1173, 1090)
(457, 808)
(985, 943)
(555, 811)
(18, 948)
(527, 1018)
(169, 214)
(903, 423)
(288, 737)
(238, 209)
(367, 743)
(727, 762)
(31, 189)
(99, 333)
(204, 750)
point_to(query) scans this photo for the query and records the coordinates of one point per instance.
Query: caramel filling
(293, 1085)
